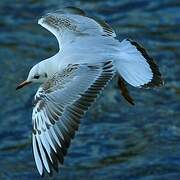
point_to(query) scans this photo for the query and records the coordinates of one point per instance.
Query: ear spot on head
(36, 77)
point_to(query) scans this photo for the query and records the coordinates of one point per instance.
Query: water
(115, 140)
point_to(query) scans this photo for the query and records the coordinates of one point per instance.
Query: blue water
(115, 140)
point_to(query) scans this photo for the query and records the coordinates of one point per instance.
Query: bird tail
(136, 67)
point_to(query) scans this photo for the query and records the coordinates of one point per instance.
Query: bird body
(89, 56)
(83, 50)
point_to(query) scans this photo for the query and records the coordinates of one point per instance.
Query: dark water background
(115, 140)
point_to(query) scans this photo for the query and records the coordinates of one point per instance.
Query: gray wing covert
(68, 23)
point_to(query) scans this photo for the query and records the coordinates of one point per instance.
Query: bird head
(36, 75)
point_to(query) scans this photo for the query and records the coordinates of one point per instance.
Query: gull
(89, 56)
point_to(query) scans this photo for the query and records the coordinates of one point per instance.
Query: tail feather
(136, 66)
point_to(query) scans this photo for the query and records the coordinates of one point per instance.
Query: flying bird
(89, 56)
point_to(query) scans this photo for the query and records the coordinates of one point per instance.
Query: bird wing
(71, 22)
(59, 105)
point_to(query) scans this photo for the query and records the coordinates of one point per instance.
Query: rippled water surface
(115, 140)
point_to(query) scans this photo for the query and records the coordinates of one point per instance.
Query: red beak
(23, 84)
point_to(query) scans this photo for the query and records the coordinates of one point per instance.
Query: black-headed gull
(88, 58)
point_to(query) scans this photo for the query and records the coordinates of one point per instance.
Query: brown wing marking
(124, 91)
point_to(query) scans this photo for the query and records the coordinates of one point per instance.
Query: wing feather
(43, 154)
(56, 114)
(70, 22)
(37, 156)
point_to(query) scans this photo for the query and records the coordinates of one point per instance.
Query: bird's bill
(23, 84)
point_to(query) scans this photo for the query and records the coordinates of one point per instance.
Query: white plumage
(88, 58)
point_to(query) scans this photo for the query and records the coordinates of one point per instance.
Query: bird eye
(36, 77)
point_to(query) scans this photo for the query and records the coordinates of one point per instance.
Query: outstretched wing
(59, 105)
(71, 22)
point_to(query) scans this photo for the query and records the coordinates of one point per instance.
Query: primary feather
(59, 105)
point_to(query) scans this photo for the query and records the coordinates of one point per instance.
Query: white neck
(49, 66)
